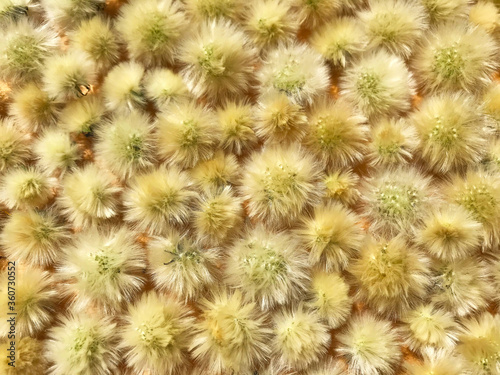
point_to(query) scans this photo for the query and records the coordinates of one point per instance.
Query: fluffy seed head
(122, 88)
(70, 13)
(332, 236)
(396, 200)
(340, 40)
(27, 358)
(491, 105)
(341, 186)
(395, 25)
(101, 268)
(269, 266)
(455, 56)
(330, 298)
(485, 15)
(336, 133)
(35, 298)
(236, 121)
(202, 10)
(14, 10)
(370, 346)
(312, 13)
(378, 84)
(68, 75)
(300, 338)
(187, 133)
(436, 362)
(23, 49)
(280, 120)
(158, 199)
(97, 39)
(462, 287)
(163, 86)
(216, 173)
(32, 108)
(450, 233)
(270, 22)
(427, 325)
(89, 196)
(231, 335)
(126, 144)
(296, 70)
(84, 345)
(393, 142)
(442, 11)
(33, 237)
(451, 132)
(279, 183)
(14, 145)
(55, 151)
(218, 217)
(82, 115)
(152, 30)
(156, 335)
(23, 188)
(218, 61)
(392, 275)
(479, 344)
(479, 193)
(327, 367)
(181, 266)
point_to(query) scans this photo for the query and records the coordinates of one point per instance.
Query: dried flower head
(55, 151)
(392, 275)
(296, 70)
(23, 188)
(33, 237)
(451, 132)
(231, 335)
(450, 233)
(219, 61)
(101, 269)
(14, 145)
(187, 134)
(271, 267)
(301, 339)
(336, 134)
(126, 144)
(332, 236)
(182, 266)
(378, 84)
(83, 345)
(82, 115)
(393, 142)
(279, 183)
(158, 199)
(236, 121)
(340, 40)
(156, 335)
(122, 88)
(151, 30)
(370, 346)
(89, 196)
(455, 56)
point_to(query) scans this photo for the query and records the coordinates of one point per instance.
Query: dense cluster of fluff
(264, 187)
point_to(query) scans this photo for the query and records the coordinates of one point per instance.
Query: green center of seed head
(279, 181)
(268, 28)
(211, 64)
(154, 35)
(448, 63)
(443, 134)
(25, 54)
(105, 264)
(327, 135)
(31, 188)
(266, 266)
(190, 134)
(134, 147)
(396, 201)
(290, 79)
(85, 342)
(479, 201)
(368, 87)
